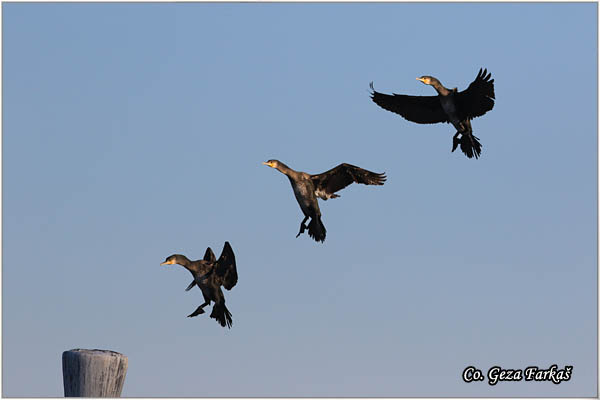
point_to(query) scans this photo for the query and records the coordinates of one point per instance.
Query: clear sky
(135, 131)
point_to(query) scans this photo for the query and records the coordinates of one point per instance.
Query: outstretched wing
(478, 98)
(226, 272)
(327, 183)
(419, 109)
(209, 255)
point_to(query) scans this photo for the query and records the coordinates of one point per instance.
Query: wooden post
(93, 373)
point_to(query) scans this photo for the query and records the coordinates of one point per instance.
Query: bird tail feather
(316, 229)
(222, 315)
(470, 145)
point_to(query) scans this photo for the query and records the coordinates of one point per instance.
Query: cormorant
(458, 108)
(210, 274)
(308, 187)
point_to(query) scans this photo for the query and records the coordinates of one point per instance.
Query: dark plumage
(308, 187)
(210, 274)
(458, 108)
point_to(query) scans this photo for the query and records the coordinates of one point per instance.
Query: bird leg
(199, 310)
(463, 129)
(302, 227)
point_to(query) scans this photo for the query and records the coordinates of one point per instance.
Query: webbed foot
(302, 229)
(455, 141)
(198, 311)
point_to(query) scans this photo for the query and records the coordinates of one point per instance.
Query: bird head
(271, 163)
(174, 259)
(428, 80)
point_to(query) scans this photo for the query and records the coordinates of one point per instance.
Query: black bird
(210, 274)
(308, 187)
(458, 108)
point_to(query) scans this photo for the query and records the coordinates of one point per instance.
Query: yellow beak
(168, 262)
(266, 163)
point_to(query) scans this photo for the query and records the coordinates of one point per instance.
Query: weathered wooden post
(93, 373)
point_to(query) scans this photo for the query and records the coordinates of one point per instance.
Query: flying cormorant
(210, 274)
(458, 108)
(308, 187)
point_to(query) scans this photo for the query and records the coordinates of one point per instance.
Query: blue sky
(135, 131)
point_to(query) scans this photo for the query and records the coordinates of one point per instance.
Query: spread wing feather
(343, 175)
(226, 271)
(209, 255)
(419, 109)
(478, 98)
